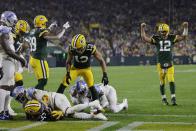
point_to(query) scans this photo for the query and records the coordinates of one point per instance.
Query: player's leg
(62, 103)
(112, 98)
(7, 84)
(89, 79)
(64, 84)
(18, 79)
(162, 75)
(41, 71)
(2, 103)
(170, 76)
(82, 115)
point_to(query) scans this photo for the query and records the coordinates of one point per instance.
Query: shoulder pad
(5, 29)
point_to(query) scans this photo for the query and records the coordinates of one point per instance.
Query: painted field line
(131, 126)
(28, 126)
(154, 115)
(103, 126)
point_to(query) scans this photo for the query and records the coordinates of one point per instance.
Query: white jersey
(55, 100)
(6, 30)
(39, 95)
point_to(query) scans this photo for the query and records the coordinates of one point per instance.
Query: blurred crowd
(114, 25)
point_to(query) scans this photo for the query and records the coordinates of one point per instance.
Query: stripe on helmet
(76, 38)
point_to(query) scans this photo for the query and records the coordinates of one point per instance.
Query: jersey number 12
(165, 45)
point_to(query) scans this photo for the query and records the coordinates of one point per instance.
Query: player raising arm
(164, 42)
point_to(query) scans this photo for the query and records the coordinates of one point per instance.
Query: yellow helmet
(78, 42)
(40, 21)
(33, 107)
(22, 26)
(164, 28)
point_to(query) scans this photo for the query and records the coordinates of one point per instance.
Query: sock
(7, 100)
(76, 108)
(81, 115)
(172, 87)
(19, 83)
(61, 89)
(162, 89)
(117, 108)
(2, 99)
(94, 93)
(41, 84)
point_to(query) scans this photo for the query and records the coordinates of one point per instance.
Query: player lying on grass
(56, 104)
(108, 98)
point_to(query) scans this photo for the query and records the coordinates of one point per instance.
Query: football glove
(68, 78)
(1, 73)
(57, 114)
(66, 25)
(54, 24)
(105, 79)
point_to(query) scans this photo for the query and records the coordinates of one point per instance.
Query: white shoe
(125, 104)
(100, 116)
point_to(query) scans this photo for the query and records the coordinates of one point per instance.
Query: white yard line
(28, 126)
(156, 115)
(103, 126)
(130, 126)
(133, 125)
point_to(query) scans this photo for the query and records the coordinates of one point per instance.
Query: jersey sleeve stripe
(45, 31)
(94, 49)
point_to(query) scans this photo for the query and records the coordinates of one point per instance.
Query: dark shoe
(173, 101)
(164, 101)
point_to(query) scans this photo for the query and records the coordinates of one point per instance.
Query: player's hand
(1, 73)
(57, 114)
(23, 61)
(68, 78)
(105, 80)
(185, 24)
(52, 25)
(143, 25)
(66, 25)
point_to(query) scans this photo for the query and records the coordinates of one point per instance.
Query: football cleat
(125, 104)
(173, 101)
(164, 101)
(100, 116)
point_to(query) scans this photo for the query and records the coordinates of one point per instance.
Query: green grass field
(140, 85)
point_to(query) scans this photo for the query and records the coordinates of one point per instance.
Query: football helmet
(22, 26)
(40, 21)
(9, 18)
(81, 87)
(33, 107)
(19, 94)
(163, 29)
(79, 43)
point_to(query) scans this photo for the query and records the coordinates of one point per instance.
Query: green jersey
(38, 44)
(83, 60)
(164, 49)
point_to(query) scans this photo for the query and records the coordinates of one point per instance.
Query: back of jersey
(39, 44)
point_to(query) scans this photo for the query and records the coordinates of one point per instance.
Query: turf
(140, 85)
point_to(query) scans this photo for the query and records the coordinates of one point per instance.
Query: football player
(58, 103)
(39, 49)
(8, 57)
(80, 52)
(164, 42)
(108, 98)
(21, 29)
